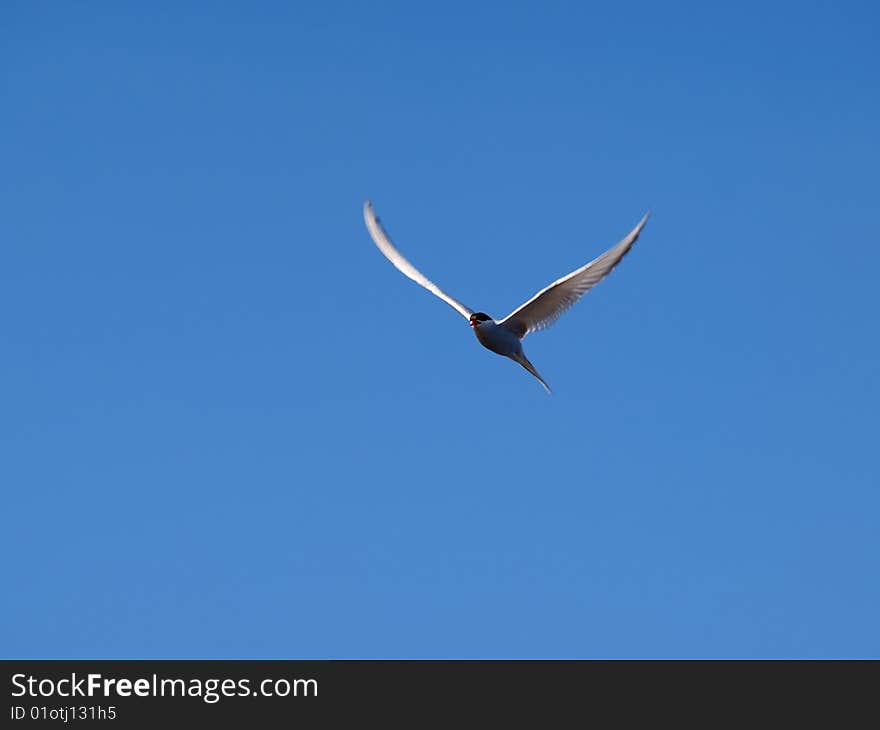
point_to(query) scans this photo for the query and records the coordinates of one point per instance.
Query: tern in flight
(505, 336)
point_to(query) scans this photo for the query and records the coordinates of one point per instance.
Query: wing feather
(383, 243)
(547, 305)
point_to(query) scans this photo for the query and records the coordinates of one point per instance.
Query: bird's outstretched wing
(383, 242)
(547, 305)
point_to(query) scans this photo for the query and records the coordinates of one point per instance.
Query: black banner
(145, 693)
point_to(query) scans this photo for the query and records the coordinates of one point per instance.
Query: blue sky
(229, 428)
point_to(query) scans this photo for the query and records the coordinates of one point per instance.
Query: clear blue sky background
(230, 428)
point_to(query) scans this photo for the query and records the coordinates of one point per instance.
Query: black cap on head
(480, 317)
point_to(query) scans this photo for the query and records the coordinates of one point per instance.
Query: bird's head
(478, 317)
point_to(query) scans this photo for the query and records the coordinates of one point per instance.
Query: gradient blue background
(230, 428)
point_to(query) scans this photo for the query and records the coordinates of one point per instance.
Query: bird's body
(504, 337)
(502, 340)
(497, 338)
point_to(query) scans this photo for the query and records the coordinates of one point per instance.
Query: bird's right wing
(383, 242)
(547, 305)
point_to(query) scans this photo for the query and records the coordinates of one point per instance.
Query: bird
(505, 336)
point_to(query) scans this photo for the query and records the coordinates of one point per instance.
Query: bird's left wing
(547, 305)
(383, 242)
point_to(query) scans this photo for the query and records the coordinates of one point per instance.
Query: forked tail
(524, 361)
